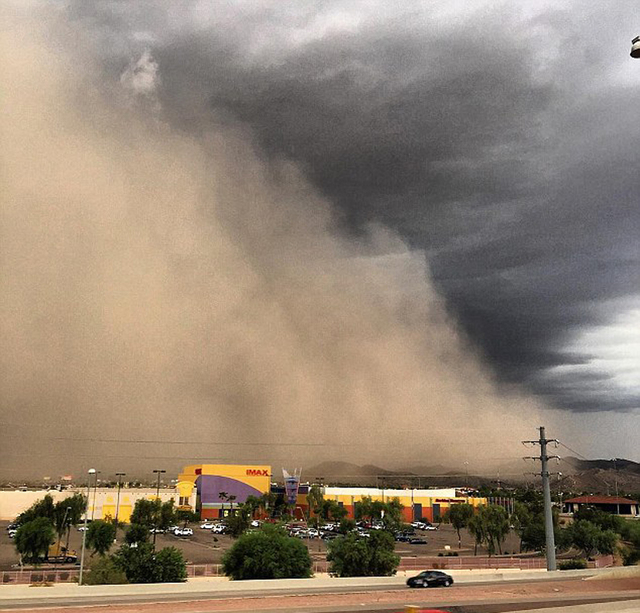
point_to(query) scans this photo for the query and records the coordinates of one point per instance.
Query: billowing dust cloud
(169, 299)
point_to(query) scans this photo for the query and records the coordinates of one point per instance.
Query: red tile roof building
(609, 504)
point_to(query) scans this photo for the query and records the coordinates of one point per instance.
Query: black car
(429, 578)
(417, 541)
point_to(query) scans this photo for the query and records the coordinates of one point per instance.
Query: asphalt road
(489, 597)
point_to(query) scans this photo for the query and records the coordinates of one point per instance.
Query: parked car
(13, 527)
(417, 541)
(156, 531)
(207, 525)
(430, 578)
(183, 532)
(12, 533)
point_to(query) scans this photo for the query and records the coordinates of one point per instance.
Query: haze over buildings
(290, 232)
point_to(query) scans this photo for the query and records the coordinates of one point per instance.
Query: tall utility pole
(119, 475)
(546, 490)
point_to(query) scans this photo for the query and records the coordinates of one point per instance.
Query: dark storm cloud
(503, 143)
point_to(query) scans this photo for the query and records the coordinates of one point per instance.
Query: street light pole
(615, 467)
(92, 471)
(158, 472)
(119, 475)
(95, 495)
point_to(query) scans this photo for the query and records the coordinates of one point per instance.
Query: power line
(573, 451)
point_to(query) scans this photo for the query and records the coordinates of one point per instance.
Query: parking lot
(207, 548)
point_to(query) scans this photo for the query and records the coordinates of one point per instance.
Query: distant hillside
(569, 474)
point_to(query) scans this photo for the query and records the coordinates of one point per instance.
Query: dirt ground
(206, 548)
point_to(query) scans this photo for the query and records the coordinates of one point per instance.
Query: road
(324, 596)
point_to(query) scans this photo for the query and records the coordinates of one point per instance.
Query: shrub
(172, 567)
(138, 563)
(104, 571)
(268, 553)
(355, 556)
(630, 557)
(574, 564)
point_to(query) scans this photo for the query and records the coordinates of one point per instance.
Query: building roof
(602, 500)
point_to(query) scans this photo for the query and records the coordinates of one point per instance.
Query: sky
(294, 230)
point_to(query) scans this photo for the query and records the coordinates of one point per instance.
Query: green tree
(478, 529)
(591, 539)
(153, 513)
(171, 566)
(267, 503)
(137, 562)
(268, 553)
(224, 496)
(497, 527)
(238, 523)
(41, 508)
(356, 556)
(346, 525)
(251, 505)
(459, 516)
(100, 536)
(330, 510)
(489, 526)
(168, 515)
(604, 521)
(136, 534)
(146, 513)
(364, 509)
(104, 571)
(184, 516)
(33, 538)
(391, 514)
(315, 499)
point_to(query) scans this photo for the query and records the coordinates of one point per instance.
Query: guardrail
(29, 576)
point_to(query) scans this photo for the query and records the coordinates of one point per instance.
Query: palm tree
(223, 496)
(252, 504)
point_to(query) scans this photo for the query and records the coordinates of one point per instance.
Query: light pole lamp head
(635, 47)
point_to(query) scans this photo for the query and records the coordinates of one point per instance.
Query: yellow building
(430, 504)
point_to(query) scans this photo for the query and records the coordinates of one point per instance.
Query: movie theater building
(219, 486)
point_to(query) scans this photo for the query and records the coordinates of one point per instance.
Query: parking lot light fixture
(635, 47)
